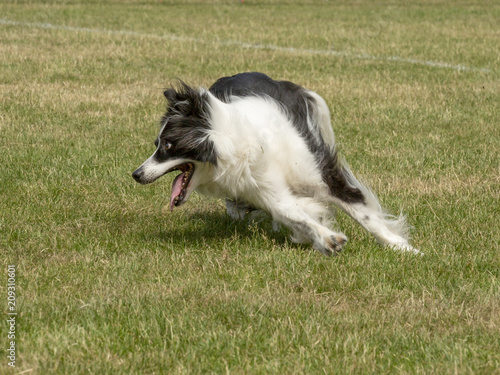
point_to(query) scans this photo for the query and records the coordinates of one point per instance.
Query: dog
(265, 145)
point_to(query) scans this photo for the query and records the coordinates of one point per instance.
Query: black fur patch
(297, 104)
(186, 126)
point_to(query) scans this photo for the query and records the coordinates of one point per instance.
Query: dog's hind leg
(387, 229)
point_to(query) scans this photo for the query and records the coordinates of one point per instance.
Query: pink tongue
(176, 189)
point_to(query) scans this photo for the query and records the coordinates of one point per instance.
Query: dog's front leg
(291, 211)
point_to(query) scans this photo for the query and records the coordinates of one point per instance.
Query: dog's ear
(186, 101)
(178, 101)
(171, 95)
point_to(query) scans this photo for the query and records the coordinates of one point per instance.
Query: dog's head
(183, 143)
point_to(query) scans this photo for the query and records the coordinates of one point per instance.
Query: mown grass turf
(109, 281)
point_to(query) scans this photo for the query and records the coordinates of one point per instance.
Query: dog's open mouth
(181, 183)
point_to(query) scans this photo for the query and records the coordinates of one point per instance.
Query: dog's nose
(137, 175)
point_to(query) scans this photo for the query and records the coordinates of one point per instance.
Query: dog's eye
(167, 145)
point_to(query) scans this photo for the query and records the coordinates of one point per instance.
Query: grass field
(108, 281)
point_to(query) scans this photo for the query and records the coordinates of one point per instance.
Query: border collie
(265, 145)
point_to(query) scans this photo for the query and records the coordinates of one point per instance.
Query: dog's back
(309, 115)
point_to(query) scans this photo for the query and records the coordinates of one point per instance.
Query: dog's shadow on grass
(200, 226)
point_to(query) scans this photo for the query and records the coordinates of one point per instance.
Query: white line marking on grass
(271, 47)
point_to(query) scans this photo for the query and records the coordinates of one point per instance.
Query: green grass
(111, 282)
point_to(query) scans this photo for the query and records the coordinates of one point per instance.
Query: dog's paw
(333, 244)
(405, 247)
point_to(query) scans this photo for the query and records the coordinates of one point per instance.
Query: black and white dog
(265, 145)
